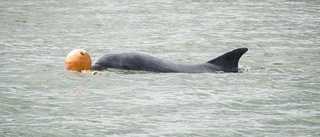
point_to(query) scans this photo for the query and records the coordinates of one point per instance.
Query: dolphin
(227, 62)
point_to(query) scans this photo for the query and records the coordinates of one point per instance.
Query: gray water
(277, 93)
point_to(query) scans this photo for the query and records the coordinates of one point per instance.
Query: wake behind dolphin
(227, 62)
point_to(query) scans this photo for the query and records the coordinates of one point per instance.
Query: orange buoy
(78, 60)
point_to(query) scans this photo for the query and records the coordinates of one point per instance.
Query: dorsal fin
(229, 61)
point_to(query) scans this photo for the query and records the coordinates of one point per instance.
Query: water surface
(277, 93)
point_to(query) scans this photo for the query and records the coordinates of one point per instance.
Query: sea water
(276, 93)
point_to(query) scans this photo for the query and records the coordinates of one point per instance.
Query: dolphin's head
(97, 67)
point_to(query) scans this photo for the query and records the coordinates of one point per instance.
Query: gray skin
(227, 62)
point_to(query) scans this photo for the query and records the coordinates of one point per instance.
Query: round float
(78, 60)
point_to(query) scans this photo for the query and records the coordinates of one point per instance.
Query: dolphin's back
(133, 61)
(139, 61)
(144, 62)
